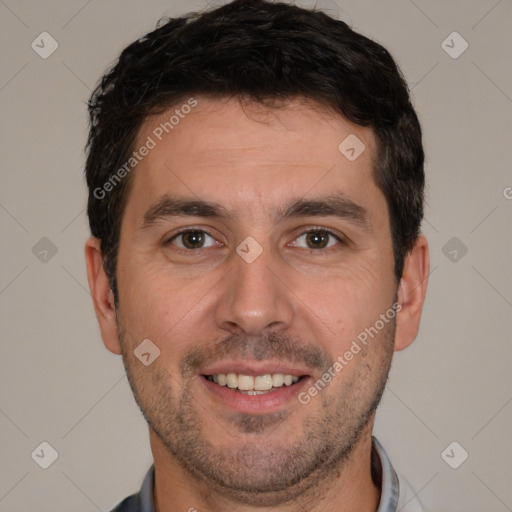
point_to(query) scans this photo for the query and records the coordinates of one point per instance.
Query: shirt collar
(388, 496)
(146, 492)
(389, 480)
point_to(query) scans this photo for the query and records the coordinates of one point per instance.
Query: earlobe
(102, 296)
(411, 293)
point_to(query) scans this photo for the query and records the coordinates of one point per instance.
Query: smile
(253, 385)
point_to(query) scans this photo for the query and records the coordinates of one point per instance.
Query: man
(256, 181)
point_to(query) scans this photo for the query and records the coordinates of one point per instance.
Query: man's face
(212, 307)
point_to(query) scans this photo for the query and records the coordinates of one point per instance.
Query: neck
(354, 487)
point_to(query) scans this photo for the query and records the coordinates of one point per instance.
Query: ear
(102, 295)
(411, 293)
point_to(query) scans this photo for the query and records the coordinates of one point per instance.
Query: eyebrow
(334, 205)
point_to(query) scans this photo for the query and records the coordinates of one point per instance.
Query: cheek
(347, 303)
(148, 302)
(162, 306)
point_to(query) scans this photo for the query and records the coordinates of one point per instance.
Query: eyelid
(321, 229)
(169, 238)
(303, 231)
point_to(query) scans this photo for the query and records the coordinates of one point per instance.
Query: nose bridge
(253, 298)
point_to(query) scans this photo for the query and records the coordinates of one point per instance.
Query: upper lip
(255, 368)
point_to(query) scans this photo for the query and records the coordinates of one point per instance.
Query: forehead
(250, 153)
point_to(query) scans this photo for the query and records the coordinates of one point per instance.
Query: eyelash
(315, 229)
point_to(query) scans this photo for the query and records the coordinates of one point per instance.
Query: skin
(295, 304)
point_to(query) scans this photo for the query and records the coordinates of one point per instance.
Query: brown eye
(318, 239)
(192, 239)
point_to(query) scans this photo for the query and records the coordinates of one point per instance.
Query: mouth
(254, 385)
(254, 388)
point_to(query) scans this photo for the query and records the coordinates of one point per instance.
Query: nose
(254, 297)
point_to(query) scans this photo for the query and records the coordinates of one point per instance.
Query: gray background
(60, 385)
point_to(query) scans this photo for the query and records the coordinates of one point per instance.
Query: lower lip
(256, 404)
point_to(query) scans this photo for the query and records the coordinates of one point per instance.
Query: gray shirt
(396, 494)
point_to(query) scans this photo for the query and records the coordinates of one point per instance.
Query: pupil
(192, 239)
(317, 237)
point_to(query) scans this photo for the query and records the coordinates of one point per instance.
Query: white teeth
(245, 382)
(232, 380)
(262, 382)
(254, 385)
(277, 380)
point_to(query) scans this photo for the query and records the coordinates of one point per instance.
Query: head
(286, 145)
